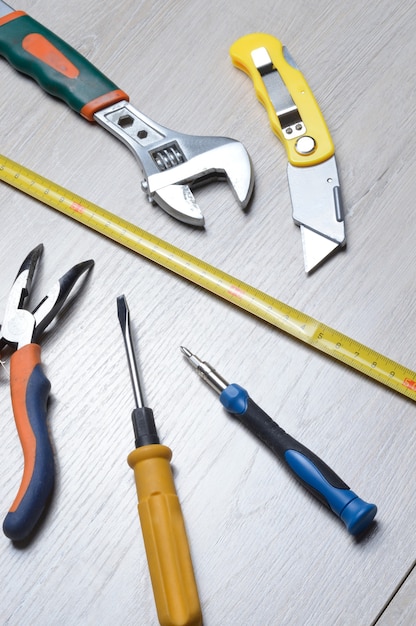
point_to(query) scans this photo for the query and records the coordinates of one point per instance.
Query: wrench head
(206, 159)
(173, 163)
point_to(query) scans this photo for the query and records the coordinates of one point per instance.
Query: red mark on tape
(236, 291)
(410, 384)
(78, 208)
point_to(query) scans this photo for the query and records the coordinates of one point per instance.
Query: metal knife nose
(317, 208)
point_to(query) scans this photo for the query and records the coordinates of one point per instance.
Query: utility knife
(296, 119)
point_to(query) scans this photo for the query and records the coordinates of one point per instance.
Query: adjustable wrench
(171, 162)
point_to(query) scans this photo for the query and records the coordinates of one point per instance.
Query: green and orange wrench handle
(30, 391)
(57, 67)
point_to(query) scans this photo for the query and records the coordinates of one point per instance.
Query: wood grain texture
(401, 608)
(265, 552)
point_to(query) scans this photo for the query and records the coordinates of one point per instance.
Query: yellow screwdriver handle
(287, 97)
(164, 535)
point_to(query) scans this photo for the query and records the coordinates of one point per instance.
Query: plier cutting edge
(29, 387)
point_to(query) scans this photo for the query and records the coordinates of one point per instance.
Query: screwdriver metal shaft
(142, 416)
(124, 318)
(308, 468)
(160, 513)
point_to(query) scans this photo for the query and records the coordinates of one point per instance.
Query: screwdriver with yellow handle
(160, 513)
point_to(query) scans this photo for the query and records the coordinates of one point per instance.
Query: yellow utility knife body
(296, 119)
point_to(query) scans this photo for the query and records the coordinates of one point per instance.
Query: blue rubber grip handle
(30, 391)
(308, 468)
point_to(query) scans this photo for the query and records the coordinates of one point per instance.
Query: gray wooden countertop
(265, 552)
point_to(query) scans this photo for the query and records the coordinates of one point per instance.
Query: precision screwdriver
(163, 528)
(313, 473)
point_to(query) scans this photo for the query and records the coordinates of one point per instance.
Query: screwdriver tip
(206, 371)
(192, 358)
(122, 311)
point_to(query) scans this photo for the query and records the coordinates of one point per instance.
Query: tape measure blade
(265, 307)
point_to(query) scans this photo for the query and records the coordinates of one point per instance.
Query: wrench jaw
(179, 202)
(233, 164)
(226, 160)
(173, 162)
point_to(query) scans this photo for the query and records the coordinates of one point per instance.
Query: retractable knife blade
(296, 119)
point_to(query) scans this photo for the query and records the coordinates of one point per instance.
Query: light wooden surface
(265, 552)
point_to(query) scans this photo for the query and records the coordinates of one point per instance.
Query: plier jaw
(19, 324)
(21, 327)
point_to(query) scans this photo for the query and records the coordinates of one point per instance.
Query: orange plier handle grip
(30, 391)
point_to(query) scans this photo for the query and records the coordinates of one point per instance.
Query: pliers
(29, 387)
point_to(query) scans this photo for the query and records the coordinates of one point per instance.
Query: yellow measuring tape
(260, 304)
